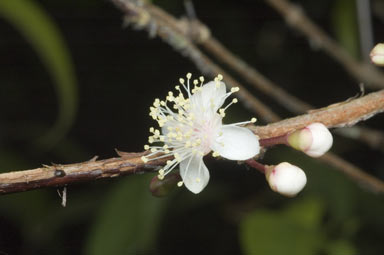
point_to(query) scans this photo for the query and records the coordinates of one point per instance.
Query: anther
(234, 89)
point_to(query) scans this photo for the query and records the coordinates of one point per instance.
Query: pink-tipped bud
(286, 179)
(314, 140)
(377, 54)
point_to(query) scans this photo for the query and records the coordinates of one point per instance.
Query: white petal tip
(322, 140)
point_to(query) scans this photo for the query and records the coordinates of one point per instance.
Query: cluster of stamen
(183, 133)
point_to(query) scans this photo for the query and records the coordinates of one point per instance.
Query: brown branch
(61, 175)
(337, 115)
(297, 19)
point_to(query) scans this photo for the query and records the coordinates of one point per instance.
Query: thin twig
(361, 177)
(295, 17)
(255, 78)
(372, 137)
(158, 22)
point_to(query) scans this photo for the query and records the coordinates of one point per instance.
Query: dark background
(119, 72)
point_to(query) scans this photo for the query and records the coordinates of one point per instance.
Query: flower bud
(286, 179)
(314, 140)
(161, 188)
(377, 54)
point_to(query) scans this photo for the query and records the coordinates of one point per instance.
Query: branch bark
(62, 175)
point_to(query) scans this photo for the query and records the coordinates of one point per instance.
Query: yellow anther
(235, 100)
(234, 89)
(151, 129)
(215, 154)
(169, 162)
(177, 157)
(201, 78)
(220, 77)
(179, 184)
(156, 103)
(144, 159)
(161, 177)
(253, 120)
(161, 172)
(195, 82)
(189, 75)
(153, 149)
(222, 112)
(146, 147)
(177, 87)
(181, 80)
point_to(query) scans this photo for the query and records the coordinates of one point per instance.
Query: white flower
(314, 140)
(286, 179)
(193, 127)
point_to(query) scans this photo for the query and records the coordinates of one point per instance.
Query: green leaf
(39, 29)
(128, 220)
(292, 231)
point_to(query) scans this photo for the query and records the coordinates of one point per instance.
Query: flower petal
(209, 96)
(194, 173)
(236, 143)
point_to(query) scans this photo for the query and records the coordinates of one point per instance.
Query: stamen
(235, 89)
